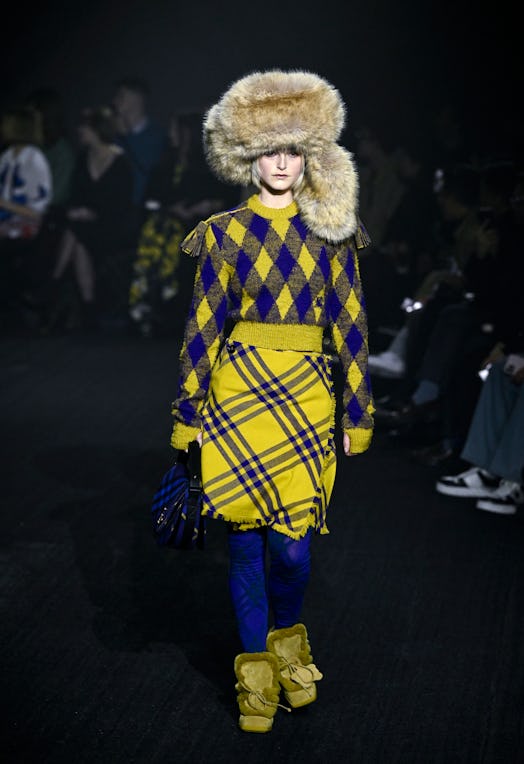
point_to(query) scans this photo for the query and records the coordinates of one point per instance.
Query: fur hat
(272, 110)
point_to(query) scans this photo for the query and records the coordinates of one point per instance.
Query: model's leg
(288, 577)
(247, 585)
(256, 670)
(289, 572)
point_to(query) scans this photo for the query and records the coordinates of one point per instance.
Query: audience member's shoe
(386, 364)
(394, 414)
(408, 414)
(432, 455)
(505, 500)
(472, 484)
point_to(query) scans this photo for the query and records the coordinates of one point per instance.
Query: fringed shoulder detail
(362, 237)
(192, 244)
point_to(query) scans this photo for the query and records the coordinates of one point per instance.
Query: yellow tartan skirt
(268, 452)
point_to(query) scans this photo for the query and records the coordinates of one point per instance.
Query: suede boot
(297, 671)
(258, 690)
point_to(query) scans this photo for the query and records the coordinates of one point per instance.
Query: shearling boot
(258, 690)
(298, 673)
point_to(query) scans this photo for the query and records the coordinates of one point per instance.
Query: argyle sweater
(263, 265)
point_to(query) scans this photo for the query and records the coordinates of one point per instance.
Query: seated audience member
(450, 143)
(60, 153)
(141, 136)
(486, 319)
(459, 239)
(99, 217)
(181, 191)
(381, 187)
(495, 443)
(406, 253)
(56, 144)
(26, 184)
(26, 188)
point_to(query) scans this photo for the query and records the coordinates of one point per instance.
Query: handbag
(176, 510)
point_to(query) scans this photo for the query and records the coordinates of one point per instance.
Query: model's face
(280, 170)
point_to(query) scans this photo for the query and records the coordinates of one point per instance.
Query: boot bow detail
(295, 671)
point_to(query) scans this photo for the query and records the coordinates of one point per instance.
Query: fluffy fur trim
(272, 110)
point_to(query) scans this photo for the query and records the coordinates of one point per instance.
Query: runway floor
(116, 652)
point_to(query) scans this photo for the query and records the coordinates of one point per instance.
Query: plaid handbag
(177, 504)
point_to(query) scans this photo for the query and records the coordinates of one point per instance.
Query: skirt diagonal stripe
(268, 452)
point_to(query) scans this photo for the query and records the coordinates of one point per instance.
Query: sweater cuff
(183, 435)
(359, 439)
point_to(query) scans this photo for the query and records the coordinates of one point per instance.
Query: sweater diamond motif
(263, 265)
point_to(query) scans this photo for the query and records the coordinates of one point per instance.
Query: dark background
(395, 63)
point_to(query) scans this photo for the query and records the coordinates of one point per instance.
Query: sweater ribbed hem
(301, 337)
(359, 439)
(183, 435)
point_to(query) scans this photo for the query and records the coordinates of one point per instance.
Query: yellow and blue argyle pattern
(263, 265)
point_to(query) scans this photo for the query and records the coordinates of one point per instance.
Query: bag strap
(194, 464)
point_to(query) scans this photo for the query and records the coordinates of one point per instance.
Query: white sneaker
(386, 364)
(505, 500)
(472, 484)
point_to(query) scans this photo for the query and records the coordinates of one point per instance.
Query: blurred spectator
(61, 155)
(141, 137)
(474, 332)
(449, 143)
(56, 145)
(25, 193)
(381, 188)
(495, 443)
(26, 184)
(405, 254)
(485, 318)
(99, 220)
(457, 237)
(181, 191)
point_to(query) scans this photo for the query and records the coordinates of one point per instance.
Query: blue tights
(253, 593)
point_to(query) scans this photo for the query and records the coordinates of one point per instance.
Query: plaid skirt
(268, 452)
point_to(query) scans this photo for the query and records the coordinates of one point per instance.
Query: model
(274, 275)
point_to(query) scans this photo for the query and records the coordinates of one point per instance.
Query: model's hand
(347, 445)
(199, 439)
